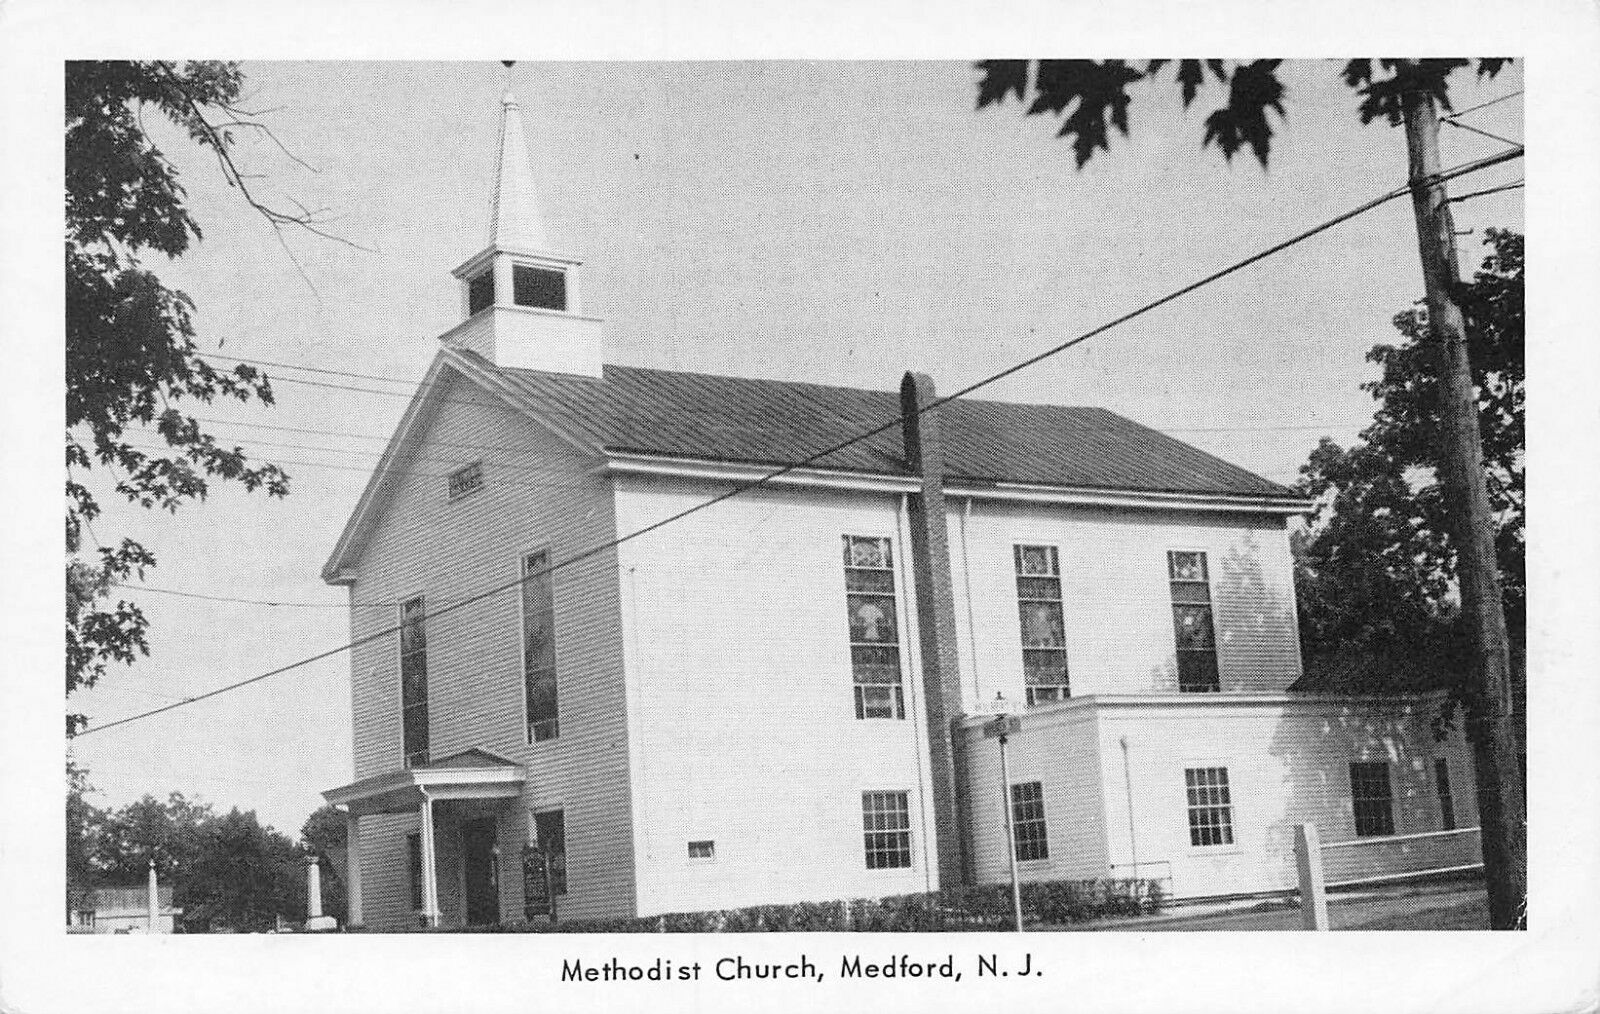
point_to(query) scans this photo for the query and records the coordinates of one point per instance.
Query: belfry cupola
(522, 299)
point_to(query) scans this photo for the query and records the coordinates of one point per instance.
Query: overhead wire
(738, 489)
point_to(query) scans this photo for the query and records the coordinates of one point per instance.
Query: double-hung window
(874, 627)
(1191, 622)
(1031, 836)
(1371, 798)
(414, 680)
(539, 647)
(1044, 629)
(886, 829)
(1210, 806)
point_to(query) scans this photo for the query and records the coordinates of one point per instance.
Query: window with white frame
(1447, 802)
(1210, 806)
(1371, 798)
(1192, 622)
(874, 627)
(886, 829)
(414, 681)
(1044, 628)
(1032, 838)
(703, 851)
(539, 647)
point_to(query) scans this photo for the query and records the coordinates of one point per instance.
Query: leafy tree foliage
(1376, 576)
(227, 870)
(81, 817)
(1092, 96)
(131, 358)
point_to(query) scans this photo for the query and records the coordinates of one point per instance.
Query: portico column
(352, 844)
(430, 881)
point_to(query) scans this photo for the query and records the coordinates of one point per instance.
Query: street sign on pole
(1005, 725)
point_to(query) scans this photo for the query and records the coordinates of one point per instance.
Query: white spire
(514, 219)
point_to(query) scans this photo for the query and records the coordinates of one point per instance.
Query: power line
(1485, 105)
(1516, 185)
(741, 488)
(1483, 133)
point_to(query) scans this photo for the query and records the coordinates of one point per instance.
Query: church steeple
(519, 296)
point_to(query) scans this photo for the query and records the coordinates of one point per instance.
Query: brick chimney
(936, 621)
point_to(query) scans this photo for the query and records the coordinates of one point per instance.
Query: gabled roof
(705, 417)
(772, 422)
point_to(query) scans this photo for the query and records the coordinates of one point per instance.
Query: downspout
(1127, 782)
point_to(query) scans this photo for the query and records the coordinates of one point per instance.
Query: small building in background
(126, 910)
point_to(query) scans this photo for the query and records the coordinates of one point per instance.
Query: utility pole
(1501, 809)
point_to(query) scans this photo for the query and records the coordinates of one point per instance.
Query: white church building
(778, 697)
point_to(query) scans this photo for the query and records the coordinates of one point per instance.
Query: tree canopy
(1092, 96)
(1376, 572)
(131, 358)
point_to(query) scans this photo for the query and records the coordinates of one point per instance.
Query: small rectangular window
(886, 828)
(414, 681)
(414, 869)
(1447, 803)
(1044, 630)
(539, 648)
(703, 850)
(1210, 806)
(543, 288)
(1371, 798)
(550, 835)
(1032, 838)
(466, 479)
(480, 292)
(874, 627)
(1192, 622)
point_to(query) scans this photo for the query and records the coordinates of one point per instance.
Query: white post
(1313, 895)
(1011, 836)
(153, 906)
(352, 842)
(313, 889)
(430, 884)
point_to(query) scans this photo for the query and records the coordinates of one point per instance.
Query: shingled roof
(771, 422)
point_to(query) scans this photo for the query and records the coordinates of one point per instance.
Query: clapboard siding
(742, 703)
(1062, 752)
(1288, 763)
(539, 492)
(1116, 599)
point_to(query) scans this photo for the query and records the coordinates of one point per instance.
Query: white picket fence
(1378, 859)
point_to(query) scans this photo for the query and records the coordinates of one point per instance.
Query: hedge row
(987, 907)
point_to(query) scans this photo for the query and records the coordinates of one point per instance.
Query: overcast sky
(828, 222)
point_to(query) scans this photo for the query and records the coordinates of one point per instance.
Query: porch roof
(470, 774)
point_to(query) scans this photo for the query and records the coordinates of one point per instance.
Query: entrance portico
(476, 781)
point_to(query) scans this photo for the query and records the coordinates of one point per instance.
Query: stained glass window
(1044, 629)
(539, 647)
(873, 615)
(414, 681)
(550, 835)
(1191, 622)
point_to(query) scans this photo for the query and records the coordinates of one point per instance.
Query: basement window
(541, 288)
(466, 480)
